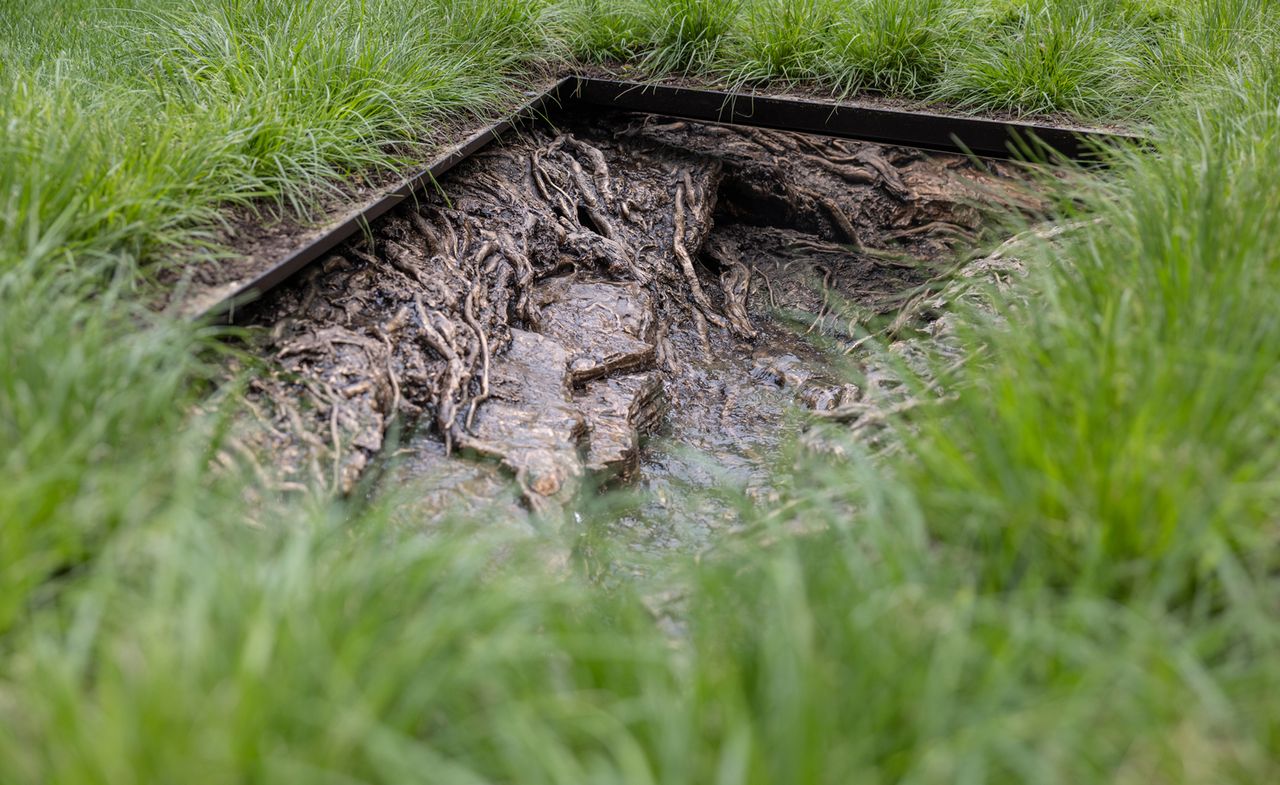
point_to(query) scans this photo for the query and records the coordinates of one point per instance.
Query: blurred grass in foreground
(1067, 577)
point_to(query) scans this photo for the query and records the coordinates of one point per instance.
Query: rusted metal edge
(225, 310)
(941, 133)
(944, 133)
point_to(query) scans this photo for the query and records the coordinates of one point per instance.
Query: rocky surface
(608, 327)
(529, 421)
(621, 410)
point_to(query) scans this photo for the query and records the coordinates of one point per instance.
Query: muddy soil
(619, 301)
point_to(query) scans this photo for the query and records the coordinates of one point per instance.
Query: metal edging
(941, 133)
(225, 309)
(926, 130)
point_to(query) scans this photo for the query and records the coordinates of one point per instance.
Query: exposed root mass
(639, 252)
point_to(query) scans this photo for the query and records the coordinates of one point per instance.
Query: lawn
(1066, 574)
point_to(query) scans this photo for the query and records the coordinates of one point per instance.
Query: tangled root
(408, 322)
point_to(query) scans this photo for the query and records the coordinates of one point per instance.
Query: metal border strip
(225, 309)
(926, 130)
(941, 133)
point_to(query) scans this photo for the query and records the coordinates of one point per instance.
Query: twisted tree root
(686, 261)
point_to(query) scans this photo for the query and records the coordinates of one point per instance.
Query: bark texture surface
(564, 293)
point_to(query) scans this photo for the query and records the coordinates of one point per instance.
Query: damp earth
(616, 302)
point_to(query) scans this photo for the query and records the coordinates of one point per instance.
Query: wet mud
(620, 301)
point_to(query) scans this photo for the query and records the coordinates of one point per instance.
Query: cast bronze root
(411, 321)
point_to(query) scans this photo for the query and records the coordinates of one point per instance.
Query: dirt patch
(580, 289)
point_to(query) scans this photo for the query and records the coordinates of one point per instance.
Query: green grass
(1140, 389)
(1067, 575)
(890, 45)
(782, 40)
(1095, 59)
(131, 126)
(92, 423)
(1045, 56)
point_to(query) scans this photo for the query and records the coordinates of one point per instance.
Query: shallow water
(725, 442)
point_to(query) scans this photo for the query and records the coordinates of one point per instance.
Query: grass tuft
(687, 35)
(1119, 432)
(780, 40)
(893, 46)
(1043, 56)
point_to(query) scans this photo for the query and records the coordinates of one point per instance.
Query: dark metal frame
(225, 310)
(943, 133)
(927, 130)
